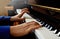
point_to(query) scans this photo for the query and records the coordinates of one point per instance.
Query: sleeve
(5, 20)
(4, 32)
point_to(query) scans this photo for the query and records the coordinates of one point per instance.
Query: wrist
(13, 30)
(11, 19)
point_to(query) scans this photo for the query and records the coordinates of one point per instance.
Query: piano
(47, 31)
(47, 14)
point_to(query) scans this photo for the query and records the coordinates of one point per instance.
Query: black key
(52, 29)
(46, 25)
(38, 20)
(49, 27)
(43, 24)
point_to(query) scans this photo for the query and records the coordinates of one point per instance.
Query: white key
(44, 33)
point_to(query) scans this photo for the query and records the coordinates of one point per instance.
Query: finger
(15, 23)
(25, 9)
(22, 13)
(31, 29)
(26, 24)
(35, 26)
(21, 19)
(35, 23)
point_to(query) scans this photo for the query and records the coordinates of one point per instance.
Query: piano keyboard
(44, 32)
